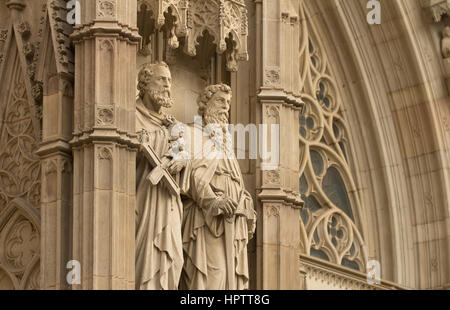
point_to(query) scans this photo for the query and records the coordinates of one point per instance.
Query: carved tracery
(330, 215)
(225, 20)
(20, 171)
(19, 166)
(19, 246)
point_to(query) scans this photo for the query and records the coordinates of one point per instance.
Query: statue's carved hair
(146, 73)
(208, 93)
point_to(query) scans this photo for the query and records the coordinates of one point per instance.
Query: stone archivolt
(225, 20)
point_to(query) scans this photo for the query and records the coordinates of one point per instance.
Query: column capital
(109, 18)
(18, 5)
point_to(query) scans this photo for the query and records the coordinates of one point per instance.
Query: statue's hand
(225, 206)
(175, 166)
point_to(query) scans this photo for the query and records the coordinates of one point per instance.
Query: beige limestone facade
(360, 198)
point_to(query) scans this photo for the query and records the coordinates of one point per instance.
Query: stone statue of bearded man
(219, 218)
(159, 257)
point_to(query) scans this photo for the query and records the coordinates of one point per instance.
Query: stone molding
(342, 277)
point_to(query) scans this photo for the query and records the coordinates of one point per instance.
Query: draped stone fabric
(204, 242)
(159, 257)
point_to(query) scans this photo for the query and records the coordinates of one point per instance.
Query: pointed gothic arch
(20, 176)
(397, 147)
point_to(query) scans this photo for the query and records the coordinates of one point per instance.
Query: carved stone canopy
(225, 20)
(436, 8)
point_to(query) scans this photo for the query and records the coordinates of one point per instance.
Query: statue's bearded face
(218, 109)
(159, 87)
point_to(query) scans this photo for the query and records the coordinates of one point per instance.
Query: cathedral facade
(350, 98)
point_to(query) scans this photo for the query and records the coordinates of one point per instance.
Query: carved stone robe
(159, 256)
(204, 241)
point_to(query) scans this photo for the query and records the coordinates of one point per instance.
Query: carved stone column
(55, 70)
(104, 144)
(278, 235)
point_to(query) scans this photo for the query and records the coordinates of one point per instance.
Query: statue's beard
(216, 116)
(216, 127)
(161, 98)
